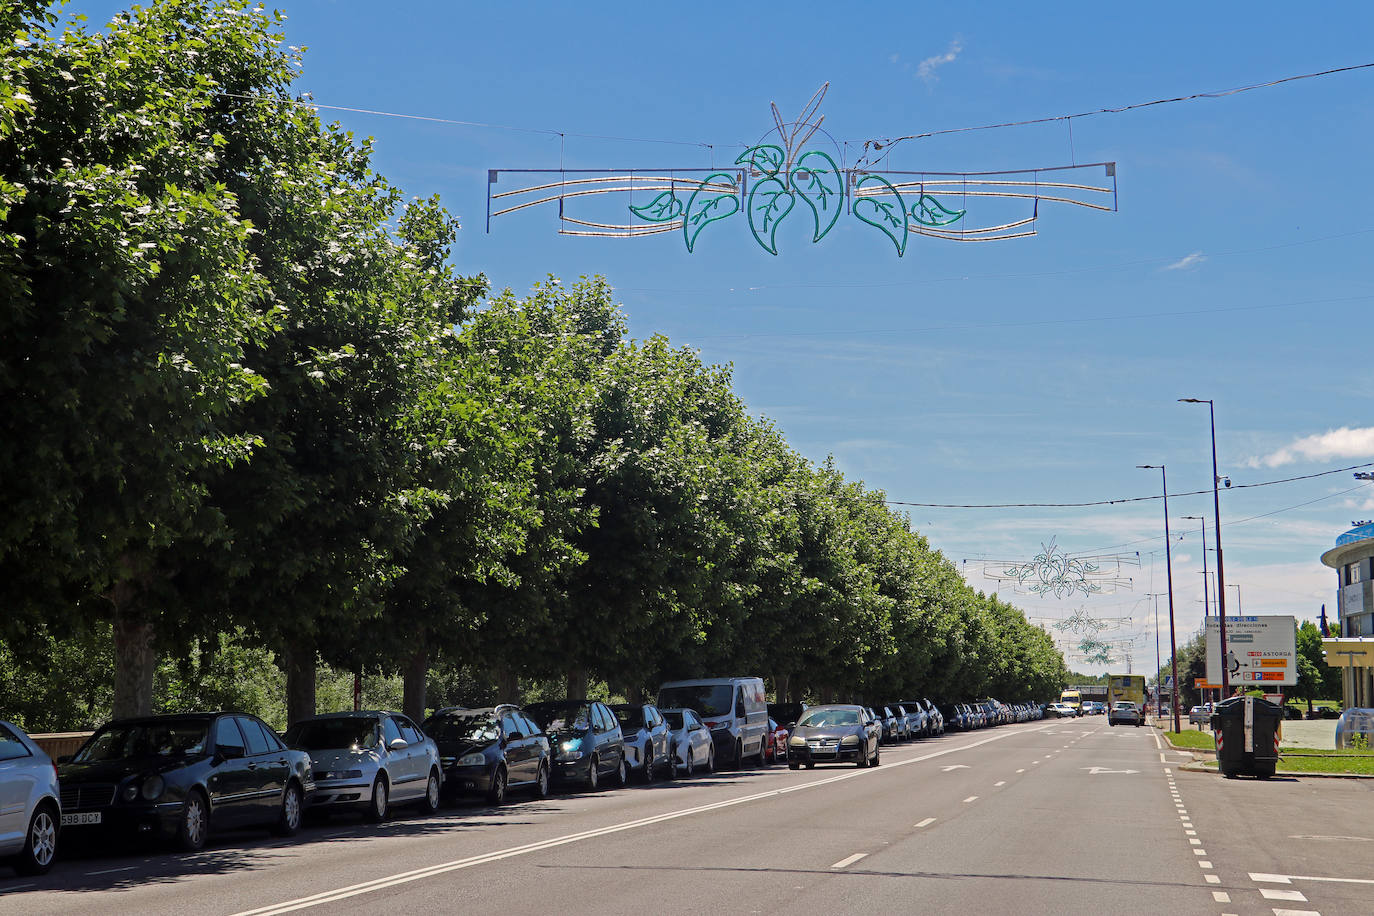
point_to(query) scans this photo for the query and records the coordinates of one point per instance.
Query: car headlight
(326, 775)
(130, 792)
(476, 759)
(850, 739)
(797, 741)
(152, 788)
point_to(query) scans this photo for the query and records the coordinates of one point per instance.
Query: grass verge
(1188, 739)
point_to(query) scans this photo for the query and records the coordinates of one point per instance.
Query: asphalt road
(1049, 817)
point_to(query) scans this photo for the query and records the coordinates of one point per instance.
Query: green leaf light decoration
(769, 179)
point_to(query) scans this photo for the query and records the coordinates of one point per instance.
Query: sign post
(1260, 652)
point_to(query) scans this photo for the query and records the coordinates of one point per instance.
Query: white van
(733, 708)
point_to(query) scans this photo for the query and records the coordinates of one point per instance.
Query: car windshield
(707, 699)
(333, 734)
(554, 717)
(466, 727)
(673, 718)
(146, 739)
(822, 718)
(631, 717)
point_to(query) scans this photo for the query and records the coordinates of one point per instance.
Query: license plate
(814, 744)
(77, 820)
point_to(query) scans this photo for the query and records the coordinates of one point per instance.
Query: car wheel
(691, 764)
(739, 755)
(793, 765)
(380, 806)
(711, 759)
(289, 817)
(40, 843)
(496, 794)
(194, 825)
(593, 774)
(430, 803)
(810, 766)
(649, 764)
(622, 774)
(541, 782)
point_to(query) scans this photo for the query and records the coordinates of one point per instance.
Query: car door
(18, 777)
(267, 777)
(519, 768)
(658, 735)
(415, 761)
(231, 783)
(698, 736)
(609, 739)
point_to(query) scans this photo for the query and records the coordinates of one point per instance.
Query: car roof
(176, 717)
(347, 714)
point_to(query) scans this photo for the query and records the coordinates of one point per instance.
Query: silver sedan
(692, 747)
(369, 760)
(30, 804)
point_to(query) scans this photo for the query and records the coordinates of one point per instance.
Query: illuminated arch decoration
(768, 180)
(1054, 573)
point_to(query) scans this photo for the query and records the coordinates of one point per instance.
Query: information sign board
(1260, 651)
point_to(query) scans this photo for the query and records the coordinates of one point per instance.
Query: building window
(1353, 572)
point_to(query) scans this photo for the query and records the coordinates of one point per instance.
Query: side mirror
(229, 751)
(398, 744)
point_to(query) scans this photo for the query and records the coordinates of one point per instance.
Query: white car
(30, 804)
(1125, 712)
(692, 747)
(1060, 711)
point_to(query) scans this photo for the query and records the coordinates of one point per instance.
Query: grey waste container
(1246, 730)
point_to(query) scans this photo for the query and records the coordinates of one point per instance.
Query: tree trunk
(827, 695)
(135, 654)
(507, 684)
(415, 683)
(300, 681)
(577, 683)
(780, 688)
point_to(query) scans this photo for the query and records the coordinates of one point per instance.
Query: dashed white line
(1195, 841)
(1274, 893)
(998, 784)
(926, 822)
(1221, 897)
(1212, 879)
(1199, 852)
(1271, 879)
(1204, 865)
(1289, 879)
(971, 798)
(849, 860)
(1021, 771)
(1278, 911)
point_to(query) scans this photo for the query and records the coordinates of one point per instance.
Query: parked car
(777, 741)
(834, 734)
(908, 724)
(953, 716)
(647, 737)
(490, 751)
(887, 723)
(733, 708)
(692, 744)
(181, 776)
(585, 739)
(368, 762)
(918, 718)
(1060, 711)
(1200, 715)
(30, 804)
(1125, 712)
(935, 720)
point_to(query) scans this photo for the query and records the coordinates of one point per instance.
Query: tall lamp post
(1240, 609)
(1169, 571)
(1221, 566)
(1205, 607)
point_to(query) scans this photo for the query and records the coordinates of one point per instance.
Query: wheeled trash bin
(1247, 731)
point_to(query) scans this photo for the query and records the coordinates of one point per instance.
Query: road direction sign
(1259, 651)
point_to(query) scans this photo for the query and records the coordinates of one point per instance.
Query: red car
(775, 748)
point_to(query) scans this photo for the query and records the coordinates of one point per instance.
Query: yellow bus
(1072, 698)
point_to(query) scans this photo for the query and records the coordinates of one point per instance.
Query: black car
(648, 740)
(488, 751)
(586, 740)
(180, 776)
(834, 734)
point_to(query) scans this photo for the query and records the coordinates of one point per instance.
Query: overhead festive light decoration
(770, 178)
(1082, 622)
(1054, 573)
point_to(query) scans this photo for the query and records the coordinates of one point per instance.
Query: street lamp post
(1221, 566)
(1169, 572)
(1206, 609)
(1240, 610)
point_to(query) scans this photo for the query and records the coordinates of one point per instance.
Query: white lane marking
(1278, 911)
(111, 871)
(1159, 745)
(971, 798)
(1161, 757)
(1190, 832)
(1357, 839)
(1204, 865)
(431, 871)
(1284, 879)
(1221, 897)
(1274, 893)
(1199, 852)
(953, 767)
(1212, 879)
(1021, 770)
(925, 822)
(1272, 879)
(999, 784)
(1168, 772)
(1195, 841)
(849, 860)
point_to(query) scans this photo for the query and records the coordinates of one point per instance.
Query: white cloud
(927, 67)
(1187, 262)
(1337, 443)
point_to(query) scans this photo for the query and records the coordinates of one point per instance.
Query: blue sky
(1037, 370)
